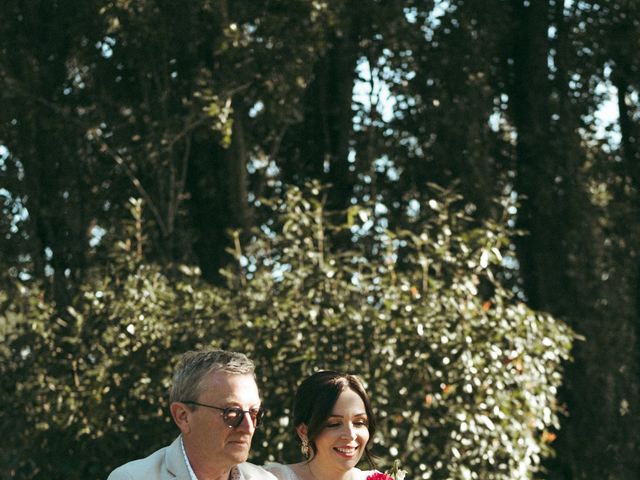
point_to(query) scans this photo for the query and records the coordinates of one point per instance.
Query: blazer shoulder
(120, 473)
(149, 468)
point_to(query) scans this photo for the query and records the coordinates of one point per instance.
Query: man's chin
(239, 452)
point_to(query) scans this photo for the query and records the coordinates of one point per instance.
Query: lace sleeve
(282, 472)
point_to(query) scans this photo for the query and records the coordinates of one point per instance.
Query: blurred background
(440, 196)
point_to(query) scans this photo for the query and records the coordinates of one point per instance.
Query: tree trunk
(217, 185)
(568, 270)
(542, 212)
(319, 147)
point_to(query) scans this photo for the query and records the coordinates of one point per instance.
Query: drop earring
(305, 449)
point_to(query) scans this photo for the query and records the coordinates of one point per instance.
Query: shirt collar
(192, 474)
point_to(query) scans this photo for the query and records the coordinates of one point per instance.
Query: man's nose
(247, 423)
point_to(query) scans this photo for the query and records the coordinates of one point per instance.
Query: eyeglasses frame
(225, 411)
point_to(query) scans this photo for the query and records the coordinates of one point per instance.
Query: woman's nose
(349, 431)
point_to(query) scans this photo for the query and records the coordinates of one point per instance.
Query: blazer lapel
(175, 468)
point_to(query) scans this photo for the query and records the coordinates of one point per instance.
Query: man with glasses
(215, 403)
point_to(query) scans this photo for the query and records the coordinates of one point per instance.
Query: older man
(216, 405)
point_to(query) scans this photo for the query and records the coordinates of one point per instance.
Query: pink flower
(379, 476)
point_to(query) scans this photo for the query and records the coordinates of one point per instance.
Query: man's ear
(302, 431)
(182, 416)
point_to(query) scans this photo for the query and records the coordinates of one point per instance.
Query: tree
(204, 110)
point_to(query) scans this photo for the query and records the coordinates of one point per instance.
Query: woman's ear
(302, 431)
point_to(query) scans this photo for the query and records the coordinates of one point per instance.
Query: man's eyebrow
(232, 404)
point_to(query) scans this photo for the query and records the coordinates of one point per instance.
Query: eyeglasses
(233, 416)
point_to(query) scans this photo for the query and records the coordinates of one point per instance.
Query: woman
(333, 418)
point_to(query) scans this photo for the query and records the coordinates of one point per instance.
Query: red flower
(379, 476)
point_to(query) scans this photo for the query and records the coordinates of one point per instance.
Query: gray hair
(194, 366)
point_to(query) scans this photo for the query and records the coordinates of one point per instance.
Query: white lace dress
(284, 472)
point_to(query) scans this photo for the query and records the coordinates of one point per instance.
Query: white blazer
(168, 464)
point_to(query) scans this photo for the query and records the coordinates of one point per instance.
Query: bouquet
(396, 473)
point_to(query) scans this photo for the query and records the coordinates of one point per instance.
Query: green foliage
(90, 384)
(202, 107)
(463, 376)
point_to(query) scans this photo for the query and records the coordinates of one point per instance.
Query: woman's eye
(333, 425)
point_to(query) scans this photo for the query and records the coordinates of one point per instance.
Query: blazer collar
(177, 468)
(174, 462)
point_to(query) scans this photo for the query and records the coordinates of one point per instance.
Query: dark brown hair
(316, 397)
